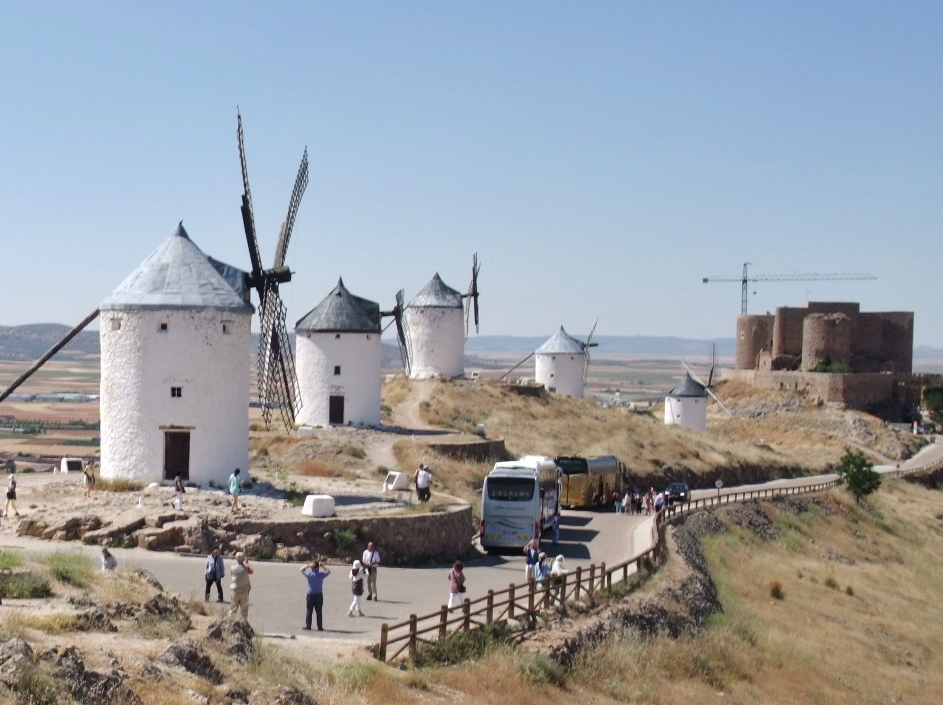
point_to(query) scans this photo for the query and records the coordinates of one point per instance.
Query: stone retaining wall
(403, 539)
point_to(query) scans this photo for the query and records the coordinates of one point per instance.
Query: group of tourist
(633, 502)
(539, 567)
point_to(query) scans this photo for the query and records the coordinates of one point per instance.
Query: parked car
(678, 492)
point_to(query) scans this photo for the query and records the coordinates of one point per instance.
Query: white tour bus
(518, 501)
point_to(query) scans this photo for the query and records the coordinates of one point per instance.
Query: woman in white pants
(357, 579)
(456, 584)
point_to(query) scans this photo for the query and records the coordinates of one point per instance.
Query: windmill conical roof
(437, 294)
(562, 343)
(342, 311)
(177, 275)
(688, 387)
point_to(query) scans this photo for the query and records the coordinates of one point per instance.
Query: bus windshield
(514, 489)
(572, 466)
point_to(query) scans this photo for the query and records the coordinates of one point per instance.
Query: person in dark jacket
(214, 572)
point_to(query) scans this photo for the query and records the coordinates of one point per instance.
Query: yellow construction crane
(746, 279)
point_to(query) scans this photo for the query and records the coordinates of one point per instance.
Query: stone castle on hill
(833, 351)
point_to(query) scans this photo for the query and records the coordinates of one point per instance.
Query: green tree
(933, 401)
(858, 474)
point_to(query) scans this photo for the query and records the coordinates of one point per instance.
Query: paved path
(277, 598)
(278, 589)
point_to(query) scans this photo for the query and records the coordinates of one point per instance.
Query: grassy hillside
(770, 434)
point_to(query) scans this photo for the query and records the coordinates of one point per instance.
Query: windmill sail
(275, 369)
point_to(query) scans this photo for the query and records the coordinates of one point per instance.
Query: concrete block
(318, 505)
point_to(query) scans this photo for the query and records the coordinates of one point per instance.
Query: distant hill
(609, 345)
(28, 342)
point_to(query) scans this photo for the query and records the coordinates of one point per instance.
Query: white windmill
(686, 403)
(561, 364)
(337, 359)
(433, 327)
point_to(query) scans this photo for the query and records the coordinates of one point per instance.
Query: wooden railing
(526, 600)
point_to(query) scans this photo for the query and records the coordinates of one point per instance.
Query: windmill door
(335, 410)
(176, 454)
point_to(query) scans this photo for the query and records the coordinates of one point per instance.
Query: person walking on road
(11, 497)
(357, 578)
(240, 586)
(315, 599)
(235, 489)
(371, 562)
(214, 572)
(456, 584)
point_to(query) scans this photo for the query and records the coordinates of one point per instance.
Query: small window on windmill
(162, 327)
(116, 324)
(227, 327)
(176, 392)
(337, 370)
(337, 336)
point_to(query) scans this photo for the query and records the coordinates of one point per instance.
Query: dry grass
(875, 643)
(314, 468)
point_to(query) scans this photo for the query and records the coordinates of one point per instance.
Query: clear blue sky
(600, 157)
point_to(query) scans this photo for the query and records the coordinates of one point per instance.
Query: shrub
(776, 590)
(10, 560)
(57, 623)
(70, 568)
(36, 686)
(26, 585)
(354, 452)
(462, 646)
(344, 538)
(314, 468)
(118, 485)
(850, 591)
(831, 583)
(542, 669)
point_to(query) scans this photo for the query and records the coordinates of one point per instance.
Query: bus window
(511, 489)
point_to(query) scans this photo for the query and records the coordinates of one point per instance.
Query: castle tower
(560, 365)
(436, 326)
(337, 352)
(175, 360)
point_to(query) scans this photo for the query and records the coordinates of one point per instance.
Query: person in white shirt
(423, 483)
(371, 562)
(109, 562)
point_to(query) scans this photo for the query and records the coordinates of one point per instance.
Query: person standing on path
(423, 483)
(235, 489)
(180, 490)
(11, 497)
(357, 579)
(214, 572)
(315, 600)
(456, 584)
(371, 562)
(240, 586)
(89, 473)
(531, 557)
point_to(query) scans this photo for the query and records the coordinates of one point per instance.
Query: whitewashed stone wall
(437, 337)
(687, 411)
(562, 372)
(358, 355)
(139, 365)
